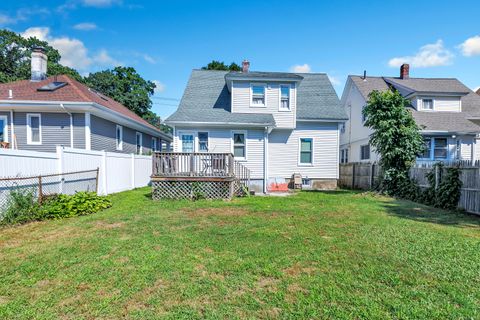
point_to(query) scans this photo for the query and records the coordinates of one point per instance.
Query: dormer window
(258, 95)
(427, 104)
(285, 98)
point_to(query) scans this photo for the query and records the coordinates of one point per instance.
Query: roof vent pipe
(10, 94)
(245, 66)
(364, 75)
(38, 64)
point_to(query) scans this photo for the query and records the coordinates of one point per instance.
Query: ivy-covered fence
(447, 186)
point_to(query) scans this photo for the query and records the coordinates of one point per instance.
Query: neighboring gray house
(447, 111)
(40, 114)
(275, 123)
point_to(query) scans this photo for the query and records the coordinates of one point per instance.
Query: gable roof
(207, 99)
(74, 91)
(433, 121)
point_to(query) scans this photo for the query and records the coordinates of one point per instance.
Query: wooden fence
(365, 175)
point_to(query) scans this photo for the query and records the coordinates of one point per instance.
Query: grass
(313, 255)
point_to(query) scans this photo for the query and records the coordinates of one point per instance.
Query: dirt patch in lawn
(217, 212)
(297, 270)
(108, 226)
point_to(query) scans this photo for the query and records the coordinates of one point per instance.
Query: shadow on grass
(419, 212)
(334, 192)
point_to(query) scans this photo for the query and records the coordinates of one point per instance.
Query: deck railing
(183, 164)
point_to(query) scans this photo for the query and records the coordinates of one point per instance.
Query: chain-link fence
(48, 185)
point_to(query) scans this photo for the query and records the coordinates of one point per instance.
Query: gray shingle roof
(444, 85)
(316, 99)
(433, 121)
(263, 75)
(207, 99)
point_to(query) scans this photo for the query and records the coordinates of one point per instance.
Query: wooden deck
(188, 175)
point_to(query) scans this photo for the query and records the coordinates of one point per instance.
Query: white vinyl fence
(117, 171)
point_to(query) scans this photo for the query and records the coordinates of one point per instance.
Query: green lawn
(312, 255)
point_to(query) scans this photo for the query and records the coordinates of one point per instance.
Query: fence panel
(364, 175)
(117, 172)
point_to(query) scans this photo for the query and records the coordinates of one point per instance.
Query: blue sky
(164, 40)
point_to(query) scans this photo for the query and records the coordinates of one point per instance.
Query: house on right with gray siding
(43, 113)
(447, 112)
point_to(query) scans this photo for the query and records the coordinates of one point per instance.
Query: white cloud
(334, 80)
(149, 59)
(430, 55)
(471, 46)
(85, 26)
(22, 14)
(100, 3)
(160, 87)
(301, 68)
(104, 59)
(73, 51)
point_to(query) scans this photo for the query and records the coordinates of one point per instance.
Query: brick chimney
(405, 71)
(245, 66)
(38, 64)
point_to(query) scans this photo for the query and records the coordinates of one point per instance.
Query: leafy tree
(217, 65)
(15, 53)
(396, 137)
(126, 86)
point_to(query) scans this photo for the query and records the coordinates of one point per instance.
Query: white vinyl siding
(283, 146)
(241, 102)
(439, 104)
(219, 141)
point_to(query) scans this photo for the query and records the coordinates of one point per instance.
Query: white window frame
(180, 141)
(300, 164)
(264, 85)
(425, 109)
(29, 128)
(369, 152)
(119, 142)
(289, 108)
(154, 145)
(141, 143)
(5, 127)
(244, 132)
(198, 140)
(364, 117)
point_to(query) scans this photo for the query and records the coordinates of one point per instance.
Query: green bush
(79, 204)
(22, 207)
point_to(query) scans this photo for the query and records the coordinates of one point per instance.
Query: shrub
(22, 207)
(79, 204)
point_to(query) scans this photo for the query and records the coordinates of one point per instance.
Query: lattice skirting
(192, 189)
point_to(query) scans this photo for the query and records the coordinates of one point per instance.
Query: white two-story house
(445, 109)
(277, 124)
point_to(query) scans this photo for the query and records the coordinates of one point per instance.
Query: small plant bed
(23, 206)
(313, 255)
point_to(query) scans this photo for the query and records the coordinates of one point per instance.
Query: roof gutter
(84, 107)
(262, 125)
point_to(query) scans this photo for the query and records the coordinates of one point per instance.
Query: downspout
(265, 159)
(71, 124)
(12, 131)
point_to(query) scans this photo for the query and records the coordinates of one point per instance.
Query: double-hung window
(306, 151)
(119, 137)
(34, 128)
(427, 148)
(364, 116)
(427, 104)
(239, 145)
(258, 95)
(203, 141)
(139, 142)
(440, 148)
(365, 152)
(284, 97)
(154, 144)
(3, 129)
